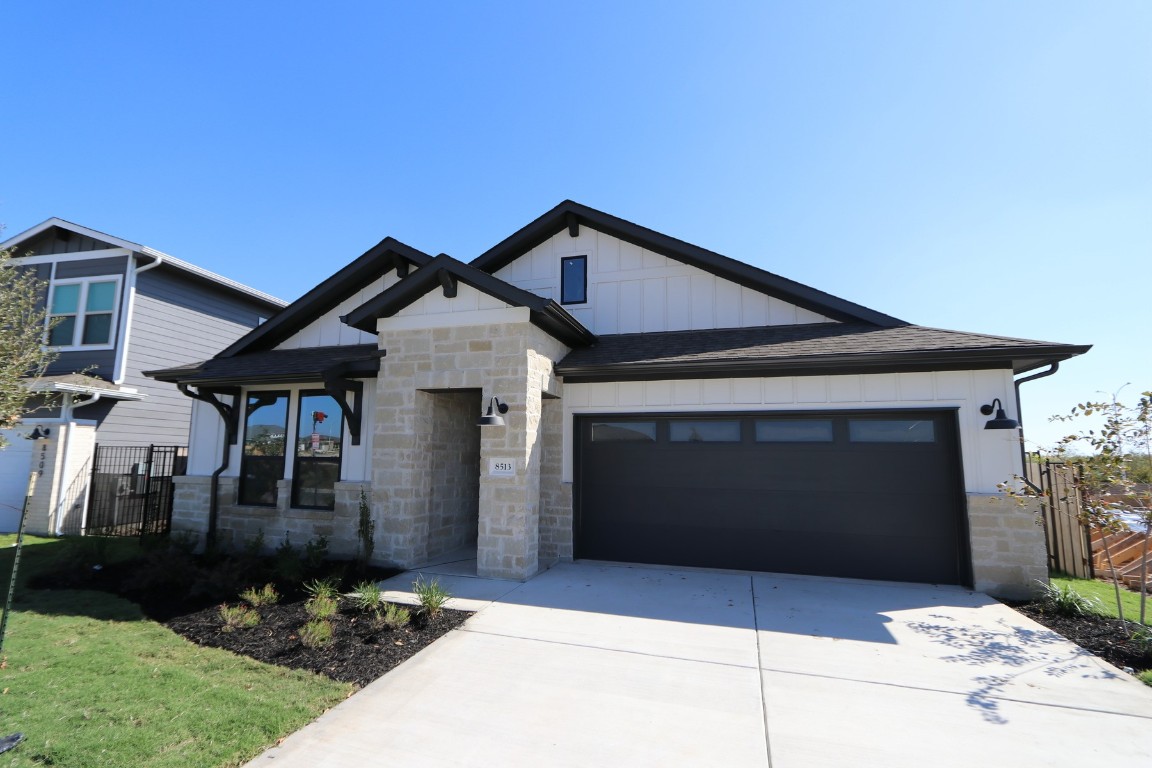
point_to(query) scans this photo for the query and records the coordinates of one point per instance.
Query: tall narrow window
(265, 437)
(82, 311)
(319, 438)
(574, 280)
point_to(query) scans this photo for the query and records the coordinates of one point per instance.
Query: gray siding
(174, 321)
(91, 267)
(53, 242)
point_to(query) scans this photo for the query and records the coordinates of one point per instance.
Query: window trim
(295, 475)
(287, 395)
(81, 314)
(583, 259)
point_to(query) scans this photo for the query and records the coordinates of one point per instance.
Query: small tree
(1108, 488)
(23, 356)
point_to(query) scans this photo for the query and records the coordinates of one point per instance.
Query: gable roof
(441, 272)
(164, 259)
(818, 348)
(572, 215)
(378, 260)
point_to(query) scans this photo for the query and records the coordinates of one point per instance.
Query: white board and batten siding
(328, 331)
(633, 290)
(989, 457)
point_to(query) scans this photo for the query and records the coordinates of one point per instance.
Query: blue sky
(983, 166)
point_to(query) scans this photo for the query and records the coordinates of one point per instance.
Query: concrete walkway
(604, 665)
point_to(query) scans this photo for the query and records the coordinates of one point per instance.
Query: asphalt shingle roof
(277, 364)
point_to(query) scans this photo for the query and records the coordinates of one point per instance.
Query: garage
(15, 463)
(873, 495)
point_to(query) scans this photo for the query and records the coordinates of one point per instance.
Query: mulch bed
(185, 592)
(359, 652)
(1098, 635)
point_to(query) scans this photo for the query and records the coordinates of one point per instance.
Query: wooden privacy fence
(1068, 539)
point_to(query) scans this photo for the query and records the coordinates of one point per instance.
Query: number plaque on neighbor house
(502, 467)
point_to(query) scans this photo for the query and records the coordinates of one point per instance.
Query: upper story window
(83, 311)
(574, 280)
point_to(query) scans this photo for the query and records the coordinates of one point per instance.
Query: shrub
(395, 616)
(316, 633)
(1066, 601)
(266, 595)
(321, 607)
(431, 594)
(287, 563)
(322, 588)
(238, 617)
(316, 552)
(367, 595)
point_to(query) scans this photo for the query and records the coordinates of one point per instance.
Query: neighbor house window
(82, 312)
(574, 280)
(265, 437)
(319, 437)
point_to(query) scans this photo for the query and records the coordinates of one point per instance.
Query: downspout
(227, 415)
(126, 321)
(1024, 455)
(66, 409)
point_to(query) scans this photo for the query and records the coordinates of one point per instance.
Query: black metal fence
(1069, 540)
(130, 493)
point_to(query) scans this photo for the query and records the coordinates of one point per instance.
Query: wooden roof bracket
(338, 388)
(228, 413)
(448, 282)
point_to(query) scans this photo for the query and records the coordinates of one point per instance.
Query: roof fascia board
(545, 313)
(44, 226)
(374, 262)
(757, 279)
(1019, 360)
(58, 258)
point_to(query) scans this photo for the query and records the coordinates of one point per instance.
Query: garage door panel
(865, 510)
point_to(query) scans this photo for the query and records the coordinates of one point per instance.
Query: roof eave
(1018, 360)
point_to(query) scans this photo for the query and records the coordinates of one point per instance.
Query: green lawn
(1107, 595)
(90, 682)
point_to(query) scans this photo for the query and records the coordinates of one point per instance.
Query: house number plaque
(502, 467)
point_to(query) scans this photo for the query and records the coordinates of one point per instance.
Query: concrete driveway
(604, 665)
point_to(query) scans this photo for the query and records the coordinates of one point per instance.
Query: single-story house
(642, 400)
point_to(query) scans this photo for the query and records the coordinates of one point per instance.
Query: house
(119, 307)
(643, 400)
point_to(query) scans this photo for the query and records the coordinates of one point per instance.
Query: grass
(91, 682)
(1106, 594)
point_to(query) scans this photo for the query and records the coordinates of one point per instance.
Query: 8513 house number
(502, 467)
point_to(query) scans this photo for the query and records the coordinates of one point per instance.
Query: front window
(82, 312)
(319, 437)
(265, 438)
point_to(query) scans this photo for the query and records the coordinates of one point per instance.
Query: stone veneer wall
(1009, 555)
(454, 450)
(510, 360)
(237, 525)
(555, 494)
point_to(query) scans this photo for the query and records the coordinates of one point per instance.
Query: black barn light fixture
(493, 417)
(39, 433)
(1001, 421)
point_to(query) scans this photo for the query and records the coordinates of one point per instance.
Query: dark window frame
(296, 458)
(564, 280)
(245, 457)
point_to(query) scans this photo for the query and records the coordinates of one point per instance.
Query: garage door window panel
(624, 432)
(891, 431)
(794, 431)
(704, 431)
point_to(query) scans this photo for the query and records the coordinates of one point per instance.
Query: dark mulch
(359, 653)
(184, 592)
(1098, 635)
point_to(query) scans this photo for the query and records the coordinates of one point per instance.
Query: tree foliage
(1113, 492)
(23, 356)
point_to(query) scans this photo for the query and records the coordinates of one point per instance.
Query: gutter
(227, 414)
(1052, 368)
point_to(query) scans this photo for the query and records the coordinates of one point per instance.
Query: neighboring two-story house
(590, 388)
(118, 308)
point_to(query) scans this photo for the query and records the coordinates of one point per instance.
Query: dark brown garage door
(862, 495)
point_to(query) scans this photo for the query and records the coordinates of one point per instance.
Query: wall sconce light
(1001, 421)
(39, 433)
(493, 419)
